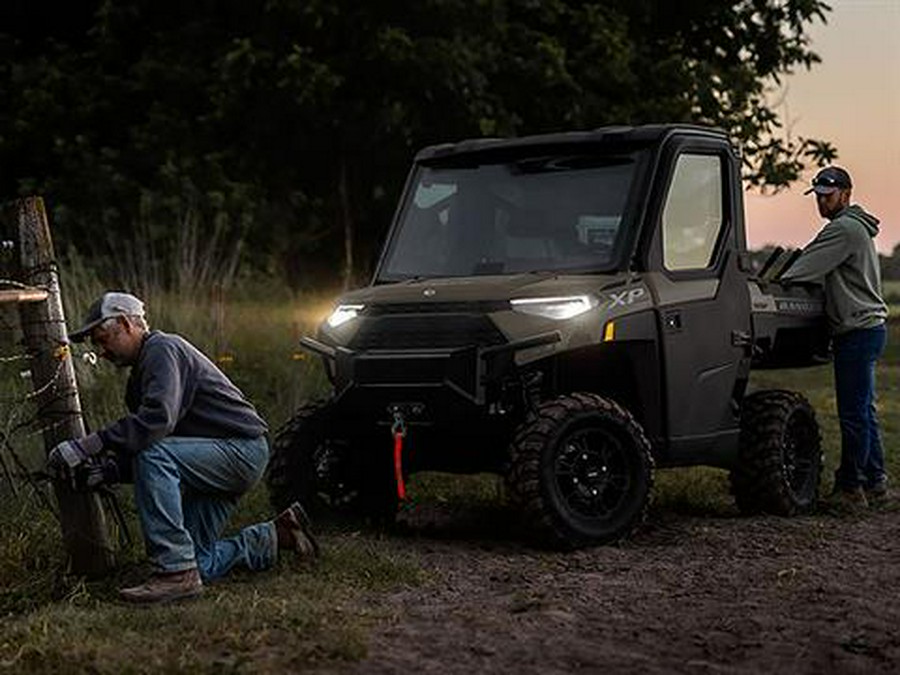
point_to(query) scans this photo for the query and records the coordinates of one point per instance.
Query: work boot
(878, 492)
(849, 501)
(165, 587)
(294, 532)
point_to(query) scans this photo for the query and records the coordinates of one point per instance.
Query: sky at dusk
(852, 99)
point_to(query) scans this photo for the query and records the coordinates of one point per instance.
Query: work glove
(69, 455)
(94, 473)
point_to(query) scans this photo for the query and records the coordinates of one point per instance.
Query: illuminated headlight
(344, 313)
(555, 308)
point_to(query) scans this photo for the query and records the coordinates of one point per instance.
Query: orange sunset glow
(852, 99)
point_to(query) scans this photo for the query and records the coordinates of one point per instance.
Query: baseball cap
(110, 304)
(829, 179)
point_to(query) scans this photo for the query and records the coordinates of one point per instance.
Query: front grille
(425, 331)
(398, 370)
(479, 307)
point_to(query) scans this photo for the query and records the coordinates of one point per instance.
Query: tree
(287, 125)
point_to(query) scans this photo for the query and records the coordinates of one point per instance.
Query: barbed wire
(36, 392)
(49, 267)
(19, 426)
(25, 287)
(11, 428)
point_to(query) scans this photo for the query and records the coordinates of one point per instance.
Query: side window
(693, 214)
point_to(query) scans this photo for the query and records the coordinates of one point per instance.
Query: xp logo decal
(626, 297)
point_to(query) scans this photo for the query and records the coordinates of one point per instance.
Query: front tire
(780, 457)
(582, 471)
(326, 473)
(301, 464)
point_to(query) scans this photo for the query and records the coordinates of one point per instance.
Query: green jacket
(843, 258)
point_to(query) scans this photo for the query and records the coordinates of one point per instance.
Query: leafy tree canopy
(285, 124)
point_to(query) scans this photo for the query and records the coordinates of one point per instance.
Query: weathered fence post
(84, 528)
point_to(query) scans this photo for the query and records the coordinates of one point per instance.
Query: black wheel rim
(334, 480)
(592, 473)
(799, 455)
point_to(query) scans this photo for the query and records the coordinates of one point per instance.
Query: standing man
(195, 445)
(843, 258)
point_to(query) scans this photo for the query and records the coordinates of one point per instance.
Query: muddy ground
(688, 594)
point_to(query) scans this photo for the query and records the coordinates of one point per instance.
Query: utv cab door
(703, 301)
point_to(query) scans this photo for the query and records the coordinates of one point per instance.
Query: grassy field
(292, 617)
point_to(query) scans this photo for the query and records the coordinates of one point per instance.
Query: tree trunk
(347, 222)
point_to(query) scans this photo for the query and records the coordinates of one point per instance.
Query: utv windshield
(550, 213)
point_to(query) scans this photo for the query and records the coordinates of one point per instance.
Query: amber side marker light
(609, 331)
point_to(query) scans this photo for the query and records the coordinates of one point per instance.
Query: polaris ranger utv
(569, 311)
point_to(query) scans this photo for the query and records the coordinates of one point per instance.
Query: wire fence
(39, 398)
(21, 418)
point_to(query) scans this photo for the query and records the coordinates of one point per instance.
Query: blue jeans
(862, 456)
(186, 489)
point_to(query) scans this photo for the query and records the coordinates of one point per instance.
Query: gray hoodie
(843, 258)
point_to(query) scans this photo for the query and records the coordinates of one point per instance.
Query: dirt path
(694, 595)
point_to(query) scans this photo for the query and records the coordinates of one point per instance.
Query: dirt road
(686, 594)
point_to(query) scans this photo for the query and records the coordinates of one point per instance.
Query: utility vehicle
(569, 311)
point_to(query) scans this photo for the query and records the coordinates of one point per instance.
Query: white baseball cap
(110, 304)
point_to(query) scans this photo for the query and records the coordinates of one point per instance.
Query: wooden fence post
(84, 527)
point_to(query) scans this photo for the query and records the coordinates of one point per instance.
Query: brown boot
(879, 494)
(294, 531)
(851, 502)
(165, 587)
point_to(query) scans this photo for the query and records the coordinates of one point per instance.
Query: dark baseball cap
(109, 305)
(829, 179)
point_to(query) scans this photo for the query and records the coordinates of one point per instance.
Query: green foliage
(283, 129)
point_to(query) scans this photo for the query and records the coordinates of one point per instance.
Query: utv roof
(648, 134)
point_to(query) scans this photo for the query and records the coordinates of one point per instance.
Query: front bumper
(444, 383)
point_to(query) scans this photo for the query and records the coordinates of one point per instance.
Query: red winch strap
(398, 465)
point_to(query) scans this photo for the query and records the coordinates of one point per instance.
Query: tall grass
(251, 328)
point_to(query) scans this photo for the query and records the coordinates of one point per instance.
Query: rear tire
(780, 457)
(582, 471)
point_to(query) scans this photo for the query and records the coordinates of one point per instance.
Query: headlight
(344, 313)
(555, 308)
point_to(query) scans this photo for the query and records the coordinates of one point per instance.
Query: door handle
(672, 321)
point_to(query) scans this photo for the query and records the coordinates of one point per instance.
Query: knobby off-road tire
(298, 468)
(327, 474)
(581, 470)
(780, 457)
